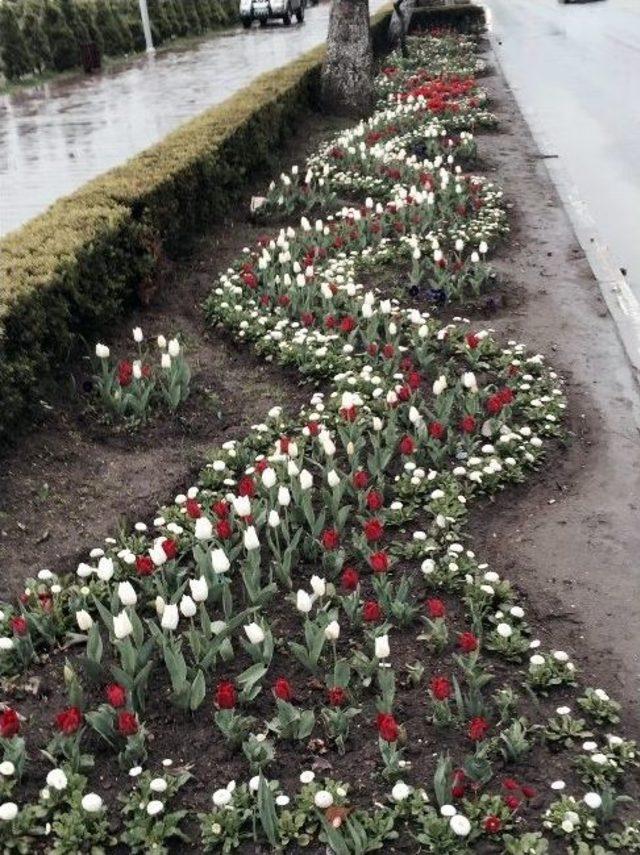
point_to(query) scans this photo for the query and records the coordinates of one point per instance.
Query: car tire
(246, 23)
(300, 14)
(286, 18)
(263, 22)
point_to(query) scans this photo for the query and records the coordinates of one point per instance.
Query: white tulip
(203, 529)
(242, 505)
(199, 589)
(127, 594)
(92, 803)
(269, 478)
(7, 769)
(306, 480)
(170, 616)
(303, 602)
(102, 351)
(105, 569)
(274, 519)
(333, 479)
(504, 630)
(219, 561)
(174, 347)
(382, 649)
(162, 342)
(159, 604)
(284, 496)
(439, 385)
(84, 620)
(254, 633)
(187, 607)
(157, 554)
(137, 335)
(469, 381)
(332, 631)
(251, 541)
(318, 586)
(165, 361)
(122, 626)
(592, 800)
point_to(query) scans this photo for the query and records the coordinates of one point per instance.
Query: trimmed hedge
(47, 35)
(464, 18)
(66, 275)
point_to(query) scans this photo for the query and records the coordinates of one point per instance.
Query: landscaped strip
(312, 606)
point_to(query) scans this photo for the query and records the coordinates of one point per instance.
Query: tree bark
(399, 24)
(347, 74)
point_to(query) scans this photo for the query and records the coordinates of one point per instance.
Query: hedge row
(47, 35)
(464, 18)
(68, 273)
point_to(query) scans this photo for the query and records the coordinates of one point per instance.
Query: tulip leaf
(198, 691)
(267, 812)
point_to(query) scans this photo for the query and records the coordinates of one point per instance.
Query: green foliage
(464, 18)
(75, 21)
(116, 37)
(32, 26)
(16, 58)
(162, 20)
(65, 53)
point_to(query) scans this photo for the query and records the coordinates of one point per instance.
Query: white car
(266, 10)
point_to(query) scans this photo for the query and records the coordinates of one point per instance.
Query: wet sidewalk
(58, 136)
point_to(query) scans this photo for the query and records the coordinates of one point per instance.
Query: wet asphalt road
(56, 137)
(575, 71)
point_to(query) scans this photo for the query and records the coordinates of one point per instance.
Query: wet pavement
(55, 137)
(574, 69)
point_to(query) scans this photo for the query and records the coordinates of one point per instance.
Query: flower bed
(363, 679)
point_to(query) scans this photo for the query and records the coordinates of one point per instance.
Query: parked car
(267, 10)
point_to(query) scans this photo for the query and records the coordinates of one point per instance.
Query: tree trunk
(399, 24)
(347, 75)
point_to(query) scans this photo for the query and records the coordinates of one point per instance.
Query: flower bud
(170, 617)
(254, 633)
(84, 620)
